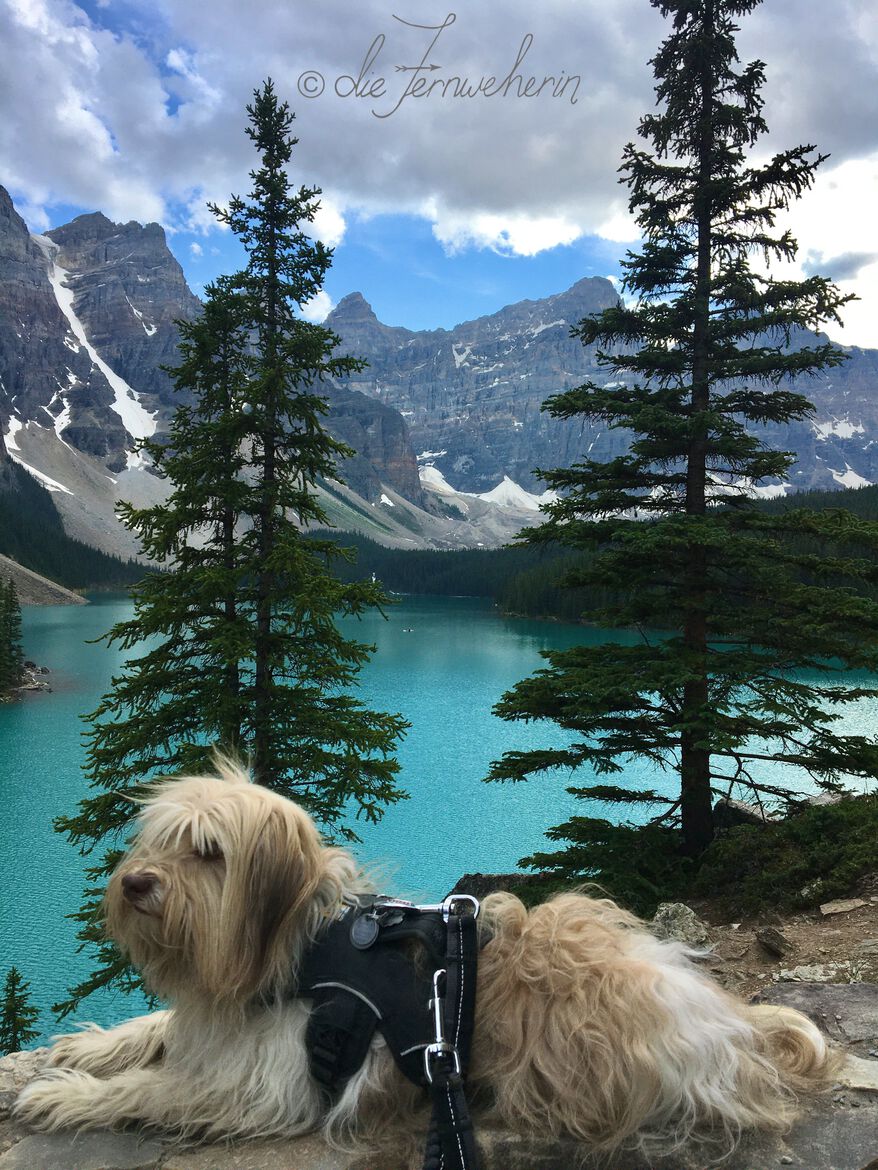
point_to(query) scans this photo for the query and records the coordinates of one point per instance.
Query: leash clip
(440, 1049)
(449, 906)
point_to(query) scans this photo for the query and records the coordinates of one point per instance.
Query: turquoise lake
(441, 662)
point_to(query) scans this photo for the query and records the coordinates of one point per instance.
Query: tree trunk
(263, 764)
(695, 794)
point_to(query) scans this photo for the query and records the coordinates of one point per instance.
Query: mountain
(472, 395)
(447, 425)
(88, 316)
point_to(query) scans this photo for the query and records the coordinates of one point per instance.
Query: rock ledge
(837, 1133)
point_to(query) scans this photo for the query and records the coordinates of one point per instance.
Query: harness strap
(339, 1034)
(360, 978)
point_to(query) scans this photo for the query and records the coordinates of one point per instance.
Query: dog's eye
(209, 851)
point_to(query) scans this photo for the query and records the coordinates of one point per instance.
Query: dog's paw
(60, 1099)
(105, 1052)
(78, 1050)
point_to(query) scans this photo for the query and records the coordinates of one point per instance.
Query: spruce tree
(17, 1014)
(11, 653)
(748, 619)
(238, 637)
(5, 642)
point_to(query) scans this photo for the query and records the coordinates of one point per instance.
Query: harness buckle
(440, 1049)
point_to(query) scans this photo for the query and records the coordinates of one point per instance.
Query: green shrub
(637, 865)
(816, 854)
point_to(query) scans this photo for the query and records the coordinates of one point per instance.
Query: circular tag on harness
(364, 932)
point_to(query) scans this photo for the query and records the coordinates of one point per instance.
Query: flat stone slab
(97, 1150)
(842, 906)
(838, 1132)
(859, 1074)
(306, 1153)
(841, 1134)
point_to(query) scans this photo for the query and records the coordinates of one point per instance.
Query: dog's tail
(796, 1047)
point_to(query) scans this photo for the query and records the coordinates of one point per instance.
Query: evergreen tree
(242, 646)
(755, 628)
(11, 654)
(18, 1015)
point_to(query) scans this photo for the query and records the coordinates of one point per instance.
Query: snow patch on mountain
(147, 328)
(14, 452)
(460, 359)
(770, 491)
(61, 420)
(431, 477)
(509, 494)
(537, 329)
(849, 478)
(842, 428)
(137, 421)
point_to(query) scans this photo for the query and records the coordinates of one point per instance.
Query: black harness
(364, 974)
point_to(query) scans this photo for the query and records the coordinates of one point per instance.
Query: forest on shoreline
(524, 579)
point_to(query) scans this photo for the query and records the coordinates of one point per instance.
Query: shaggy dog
(586, 1025)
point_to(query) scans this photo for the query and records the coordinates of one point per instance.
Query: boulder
(729, 813)
(677, 921)
(774, 941)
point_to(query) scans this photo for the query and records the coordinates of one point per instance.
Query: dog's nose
(137, 885)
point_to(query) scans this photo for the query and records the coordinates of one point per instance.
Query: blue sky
(442, 205)
(409, 279)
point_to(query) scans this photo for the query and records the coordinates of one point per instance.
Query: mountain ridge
(447, 424)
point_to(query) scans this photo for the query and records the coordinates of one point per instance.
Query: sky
(445, 195)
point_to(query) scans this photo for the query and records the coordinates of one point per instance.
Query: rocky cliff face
(379, 436)
(45, 374)
(87, 323)
(472, 395)
(128, 291)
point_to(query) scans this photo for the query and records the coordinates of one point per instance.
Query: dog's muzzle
(138, 886)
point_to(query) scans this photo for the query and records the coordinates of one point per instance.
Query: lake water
(443, 663)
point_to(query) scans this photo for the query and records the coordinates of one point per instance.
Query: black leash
(451, 1141)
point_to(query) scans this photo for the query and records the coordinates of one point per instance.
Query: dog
(587, 1027)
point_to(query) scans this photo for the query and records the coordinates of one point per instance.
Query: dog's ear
(269, 886)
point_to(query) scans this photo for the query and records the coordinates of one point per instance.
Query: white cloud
(513, 235)
(837, 232)
(196, 249)
(329, 224)
(198, 89)
(318, 307)
(619, 225)
(142, 117)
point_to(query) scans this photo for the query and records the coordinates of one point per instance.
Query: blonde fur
(587, 1026)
